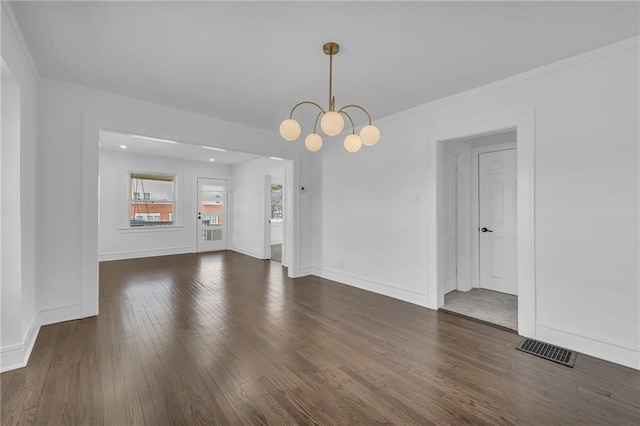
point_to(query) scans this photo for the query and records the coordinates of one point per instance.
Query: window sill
(157, 228)
(276, 220)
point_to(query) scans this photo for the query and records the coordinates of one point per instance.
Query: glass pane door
(212, 205)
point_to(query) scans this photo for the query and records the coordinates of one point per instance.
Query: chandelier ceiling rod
(331, 49)
(331, 121)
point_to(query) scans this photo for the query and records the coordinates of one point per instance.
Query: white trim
(294, 221)
(287, 229)
(135, 254)
(524, 123)
(60, 313)
(23, 44)
(599, 347)
(89, 213)
(247, 251)
(17, 356)
(555, 67)
(177, 197)
(304, 271)
(266, 216)
(150, 228)
(416, 298)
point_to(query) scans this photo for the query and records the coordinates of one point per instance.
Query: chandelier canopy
(331, 121)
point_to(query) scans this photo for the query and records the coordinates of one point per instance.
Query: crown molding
(6, 9)
(552, 68)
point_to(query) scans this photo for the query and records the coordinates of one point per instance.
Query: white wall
(10, 219)
(67, 183)
(248, 210)
(19, 322)
(116, 241)
(587, 198)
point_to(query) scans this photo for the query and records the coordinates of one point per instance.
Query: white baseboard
(135, 254)
(248, 251)
(16, 356)
(304, 271)
(617, 352)
(55, 314)
(375, 287)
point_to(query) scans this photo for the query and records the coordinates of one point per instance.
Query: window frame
(168, 177)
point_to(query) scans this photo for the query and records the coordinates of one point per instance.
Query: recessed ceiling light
(214, 149)
(123, 146)
(212, 159)
(276, 158)
(149, 138)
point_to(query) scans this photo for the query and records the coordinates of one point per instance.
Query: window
(151, 217)
(276, 203)
(211, 204)
(152, 199)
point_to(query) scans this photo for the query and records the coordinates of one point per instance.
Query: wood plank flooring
(225, 339)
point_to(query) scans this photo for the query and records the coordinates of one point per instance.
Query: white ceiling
(113, 141)
(250, 62)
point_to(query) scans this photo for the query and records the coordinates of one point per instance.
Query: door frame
(266, 208)
(89, 226)
(524, 123)
(456, 185)
(225, 218)
(285, 173)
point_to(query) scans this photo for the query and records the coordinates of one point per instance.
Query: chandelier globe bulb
(332, 123)
(313, 142)
(352, 143)
(290, 130)
(369, 135)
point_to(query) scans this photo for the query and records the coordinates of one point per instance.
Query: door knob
(486, 230)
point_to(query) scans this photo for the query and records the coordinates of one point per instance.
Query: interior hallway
(276, 252)
(223, 338)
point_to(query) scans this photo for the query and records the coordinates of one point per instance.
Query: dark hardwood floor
(222, 338)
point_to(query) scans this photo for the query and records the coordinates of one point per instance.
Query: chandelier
(331, 121)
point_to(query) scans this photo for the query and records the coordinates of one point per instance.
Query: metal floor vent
(547, 351)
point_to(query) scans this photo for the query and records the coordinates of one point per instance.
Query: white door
(449, 218)
(212, 214)
(497, 174)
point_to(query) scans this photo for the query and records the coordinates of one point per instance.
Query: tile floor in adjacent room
(485, 305)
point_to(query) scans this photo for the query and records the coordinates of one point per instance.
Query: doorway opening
(212, 214)
(275, 206)
(480, 189)
(455, 234)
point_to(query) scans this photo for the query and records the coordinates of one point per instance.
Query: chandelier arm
(302, 103)
(359, 107)
(353, 128)
(315, 125)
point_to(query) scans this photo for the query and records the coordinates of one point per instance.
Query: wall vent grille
(547, 351)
